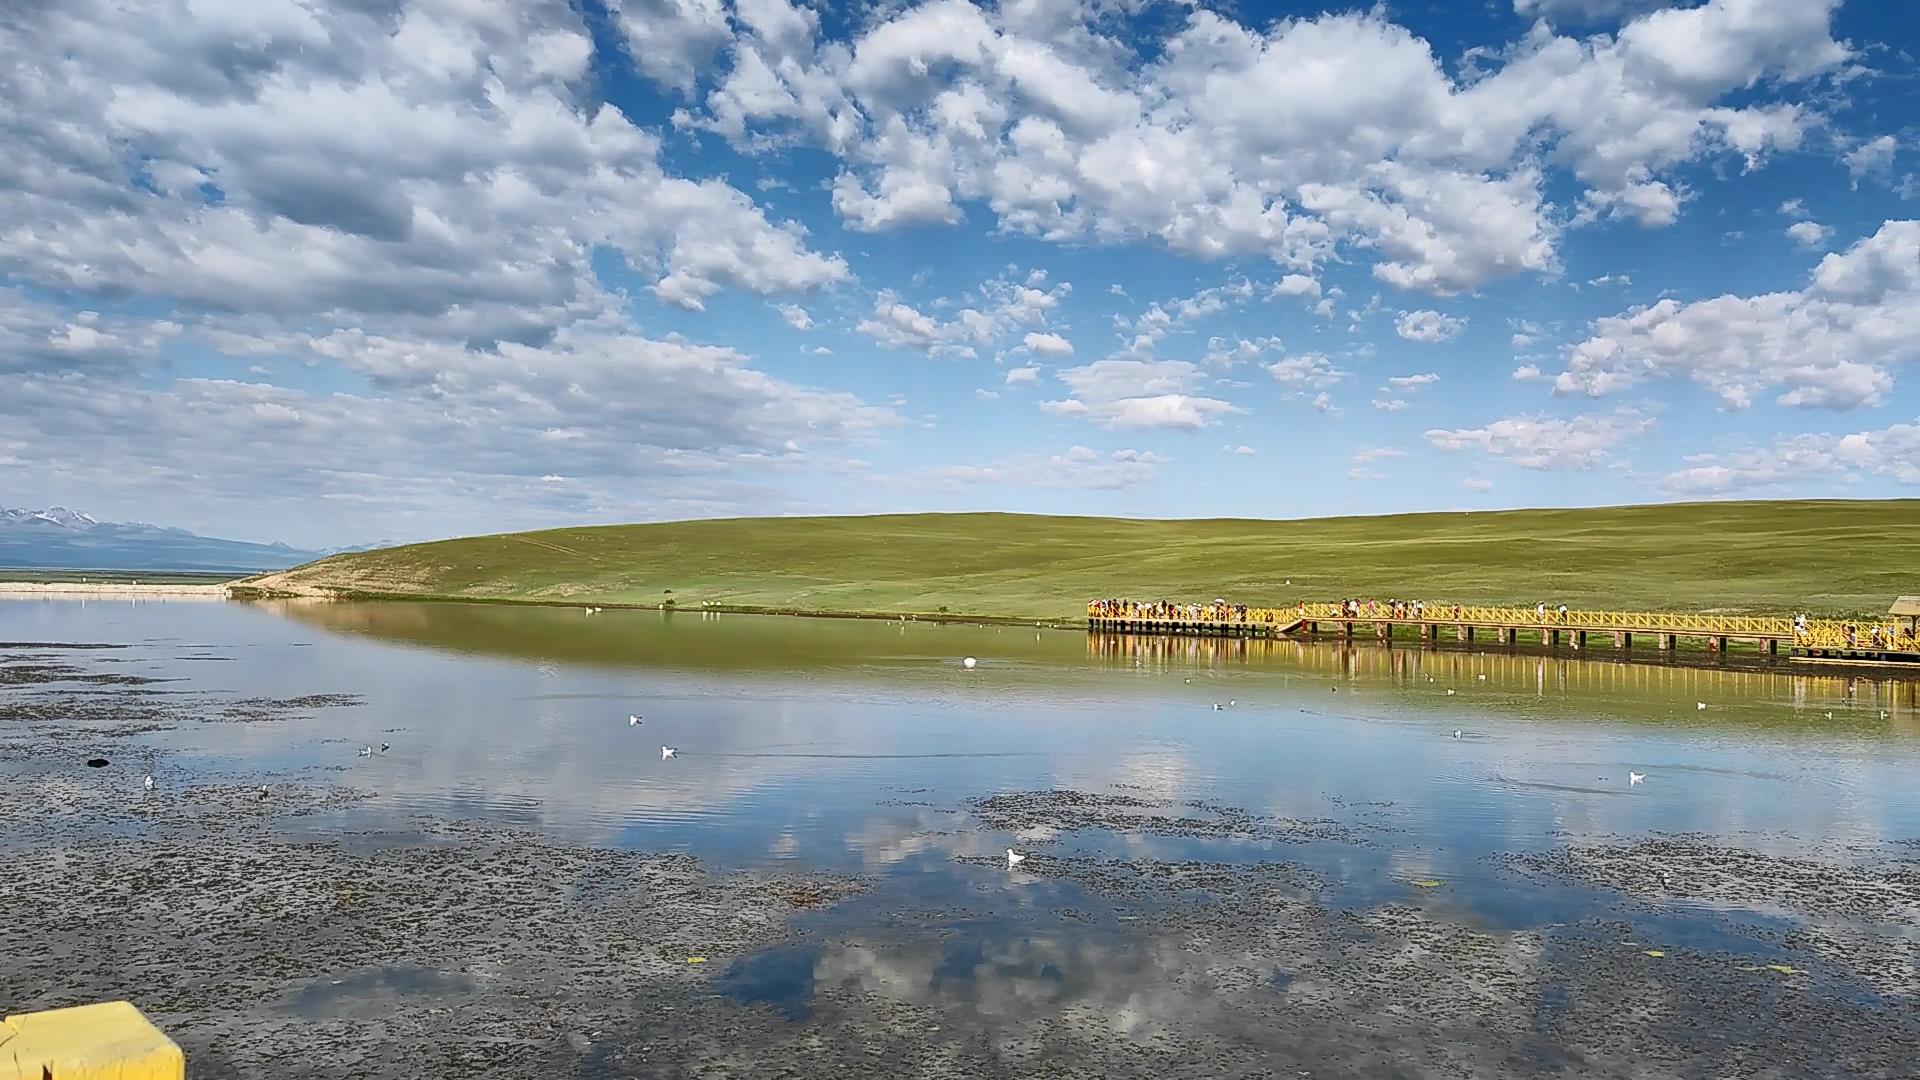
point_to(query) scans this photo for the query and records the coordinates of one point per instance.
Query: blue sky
(401, 269)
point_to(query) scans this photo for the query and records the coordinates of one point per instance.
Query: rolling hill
(1824, 556)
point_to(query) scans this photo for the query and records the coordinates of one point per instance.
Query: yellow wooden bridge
(1827, 640)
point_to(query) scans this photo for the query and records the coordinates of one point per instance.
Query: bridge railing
(1816, 633)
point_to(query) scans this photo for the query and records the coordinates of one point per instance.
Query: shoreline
(109, 588)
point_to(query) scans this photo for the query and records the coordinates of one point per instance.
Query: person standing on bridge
(1542, 609)
(1563, 613)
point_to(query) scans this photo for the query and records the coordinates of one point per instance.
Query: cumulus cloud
(1892, 452)
(1828, 345)
(1390, 404)
(1305, 371)
(1051, 346)
(1810, 234)
(1293, 139)
(796, 316)
(1023, 376)
(1368, 455)
(1413, 382)
(467, 182)
(1873, 158)
(1476, 484)
(1428, 326)
(1139, 394)
(1546, 442)
(986, 316)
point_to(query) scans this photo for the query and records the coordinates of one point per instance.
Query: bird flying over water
(1635, 778)
(667, 752)
(1014, 858)
(633, 720)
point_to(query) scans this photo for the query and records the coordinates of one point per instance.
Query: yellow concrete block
(111, 1041)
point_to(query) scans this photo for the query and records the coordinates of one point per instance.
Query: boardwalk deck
(1808, 640)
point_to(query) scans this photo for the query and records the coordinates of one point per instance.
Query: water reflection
(853, 744)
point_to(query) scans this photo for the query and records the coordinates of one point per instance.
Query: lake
(1239, 854)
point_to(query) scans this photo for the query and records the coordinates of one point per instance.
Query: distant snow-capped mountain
(68, 539)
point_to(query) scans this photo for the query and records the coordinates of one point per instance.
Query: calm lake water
(840, 743)
(855, 746)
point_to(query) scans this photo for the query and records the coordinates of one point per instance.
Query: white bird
(1217, 706)
(263, 791)
(1450, 691)
(1829, 716)
(1883, 714)
(1189, 682)
(633, 720)
(1481, 677)
(1231, 702)
(1635, 777)
(149, 783)
(385, 746)
(1456, 733)
(969, 663)
(366, 751)
(1700, 705)
(1014, 858)
(667, 752)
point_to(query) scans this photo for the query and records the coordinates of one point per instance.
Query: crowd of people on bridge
(1217, 611)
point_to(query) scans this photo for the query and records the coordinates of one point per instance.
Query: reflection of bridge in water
(1599, 672)
(1814, 640)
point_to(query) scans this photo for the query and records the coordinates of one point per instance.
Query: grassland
(1831, 557)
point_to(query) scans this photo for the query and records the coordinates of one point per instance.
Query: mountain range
(59, 538)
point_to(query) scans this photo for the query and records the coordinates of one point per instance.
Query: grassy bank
(1828, 557)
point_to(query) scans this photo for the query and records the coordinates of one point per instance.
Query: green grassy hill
(1824, 556)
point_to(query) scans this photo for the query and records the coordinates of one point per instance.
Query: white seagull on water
(969, 663)
(1635, 777)
(667, 752)
(1014, 858)
(633, 720)
(1701, 706)
(366, 751)
(149, 782)
(1456, 733)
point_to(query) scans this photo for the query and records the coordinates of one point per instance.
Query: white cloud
(795, 316)
(1292, 139)
(1163, 317)
(1225, 352)
(1305, 371)
(1138, 394)
(1527, 373)
(1075, 468)
(1413, 382)
(1546, 442)
(456, 441)
(985, 395)
(1828, 345)
(1871, 158)
(1794, 208)
(1892, 452)
(1242, 451)
(465, 181)
(1051, 346)
(1023, 376)
(1323, 402)
(1810, 234)
(1390, 404)
(1428, 326)
(1474, 483)
(990, 314)
(1368, 455)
